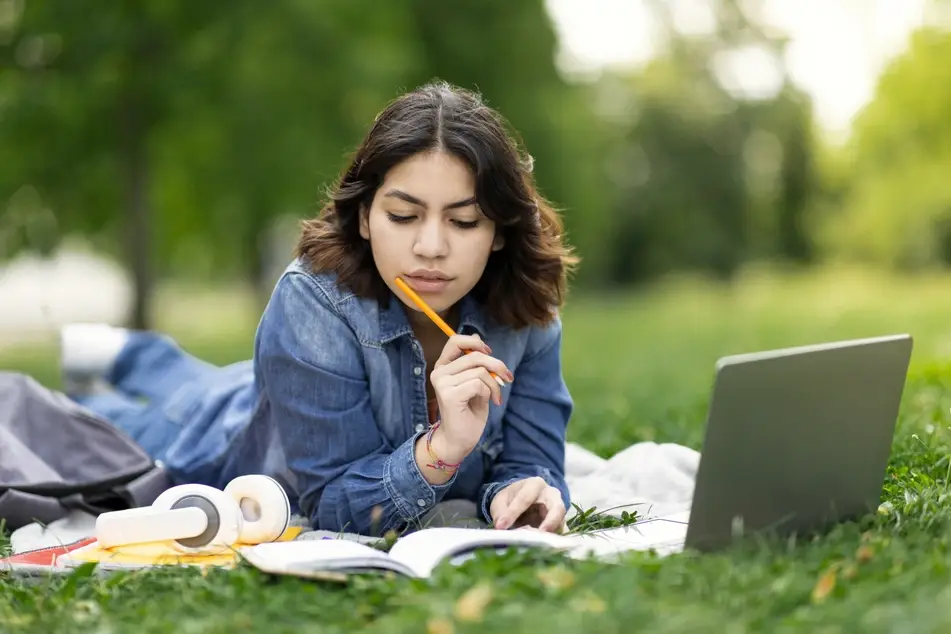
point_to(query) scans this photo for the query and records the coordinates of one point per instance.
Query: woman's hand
(529, 502)
(463, 389)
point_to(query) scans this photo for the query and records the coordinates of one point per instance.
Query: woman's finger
(474, 388)
(555, 518)
(526, 496)
(473, 360)
(449, 381)
(457, 347)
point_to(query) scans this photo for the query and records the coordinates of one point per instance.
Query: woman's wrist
(438, 457)
(445, 449)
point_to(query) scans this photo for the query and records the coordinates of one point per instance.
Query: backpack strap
(19, 508)
(140, 491)
(143, 490)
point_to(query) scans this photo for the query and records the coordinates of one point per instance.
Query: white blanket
(648, 478)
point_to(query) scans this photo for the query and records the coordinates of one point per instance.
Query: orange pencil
(436, 318)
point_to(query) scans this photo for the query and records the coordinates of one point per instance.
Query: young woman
(354, 400)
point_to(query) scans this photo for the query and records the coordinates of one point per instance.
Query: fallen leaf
(589, 602)
(556, 578)
(19, 619)
(439, 626)
(87, 607)
(825, 585)
(471, 605)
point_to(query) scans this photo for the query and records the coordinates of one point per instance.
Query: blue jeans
(148, 374)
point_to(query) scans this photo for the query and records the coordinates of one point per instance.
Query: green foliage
(710, 178)
(200, 124)
(174, 134)
(592, 519)
(897, 197)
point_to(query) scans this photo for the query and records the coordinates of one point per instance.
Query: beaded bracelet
(437, 463)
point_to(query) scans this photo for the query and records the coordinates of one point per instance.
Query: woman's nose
(431, 240)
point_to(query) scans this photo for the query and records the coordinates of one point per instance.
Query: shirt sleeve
(348, 476)
(535, 423)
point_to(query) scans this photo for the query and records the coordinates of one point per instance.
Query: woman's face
(424, 225)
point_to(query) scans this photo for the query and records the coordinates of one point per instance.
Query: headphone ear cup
(224, 517)
(263, 506)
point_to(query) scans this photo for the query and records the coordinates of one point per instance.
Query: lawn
(640, 367)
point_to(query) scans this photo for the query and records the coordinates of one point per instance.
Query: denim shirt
(334, 401)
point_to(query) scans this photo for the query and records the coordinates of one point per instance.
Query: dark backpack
(56, 455)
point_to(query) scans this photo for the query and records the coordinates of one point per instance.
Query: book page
(306, 557)
(425, 549)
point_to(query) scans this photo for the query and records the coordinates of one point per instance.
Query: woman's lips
(426, 284)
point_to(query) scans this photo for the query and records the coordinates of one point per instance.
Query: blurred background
(736, 172)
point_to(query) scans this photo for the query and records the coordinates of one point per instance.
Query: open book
(324, 556)
(418, 554)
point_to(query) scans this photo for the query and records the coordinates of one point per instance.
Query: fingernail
(502, 524)
(509, 376)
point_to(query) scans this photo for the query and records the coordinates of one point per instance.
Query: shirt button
(417, 370)
(419, 427)
(421, 502)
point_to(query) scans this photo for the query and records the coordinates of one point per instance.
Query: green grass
(640, 367)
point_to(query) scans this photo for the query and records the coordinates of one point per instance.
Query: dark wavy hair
(525, 282)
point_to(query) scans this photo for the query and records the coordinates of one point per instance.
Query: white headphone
(195, 518)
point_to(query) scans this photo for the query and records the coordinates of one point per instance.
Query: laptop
(797, 440)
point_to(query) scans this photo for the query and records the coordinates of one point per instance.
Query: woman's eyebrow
(413, 200)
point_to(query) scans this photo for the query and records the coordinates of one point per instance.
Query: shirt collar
(394, 322)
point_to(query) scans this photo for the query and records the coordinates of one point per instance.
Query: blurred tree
(90, 92)
(897, 196)
(307, 115)
(791, 118)
(713, 176)
(184, 129)
(302, 88)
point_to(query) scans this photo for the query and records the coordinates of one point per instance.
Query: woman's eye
(466, 224)
(398, 219)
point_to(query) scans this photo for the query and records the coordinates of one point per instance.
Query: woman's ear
(364, 222)
(498, 242)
